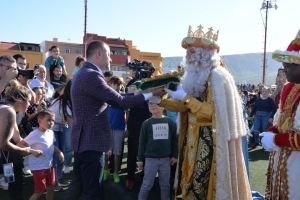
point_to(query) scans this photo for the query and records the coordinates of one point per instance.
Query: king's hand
(179, 94)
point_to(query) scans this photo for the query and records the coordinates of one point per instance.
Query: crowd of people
(260, 104)
(50, 119)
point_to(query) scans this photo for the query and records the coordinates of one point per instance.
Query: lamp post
(84, 32)
(266, 5)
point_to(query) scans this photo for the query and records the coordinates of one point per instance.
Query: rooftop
(9, 46)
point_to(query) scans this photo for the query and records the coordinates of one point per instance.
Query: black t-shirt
(57, 83)
(137, 115)
(32, 109)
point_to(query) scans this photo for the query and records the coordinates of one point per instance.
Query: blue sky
(154, 26)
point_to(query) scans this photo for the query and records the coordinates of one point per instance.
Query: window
(68, 50)
(29, 48)
(78, 51)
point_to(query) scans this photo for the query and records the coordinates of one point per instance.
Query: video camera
(142, 69)
(27, 73)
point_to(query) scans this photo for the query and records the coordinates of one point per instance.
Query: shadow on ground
(116, 191)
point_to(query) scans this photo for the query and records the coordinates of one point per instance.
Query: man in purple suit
(91, 137)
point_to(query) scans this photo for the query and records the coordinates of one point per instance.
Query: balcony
(119, 59)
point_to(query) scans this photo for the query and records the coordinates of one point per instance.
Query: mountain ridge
(245, 68)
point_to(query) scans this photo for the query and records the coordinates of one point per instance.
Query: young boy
(117, 125)
(158, 146)
(41, 166)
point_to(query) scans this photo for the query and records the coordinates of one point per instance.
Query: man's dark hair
(17, 56)
(56, 66)
(8, 58)
(53, 47)
(108, 74)
(92, 47)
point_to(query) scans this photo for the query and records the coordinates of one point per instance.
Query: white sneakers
(67, 170)
(27, 171)
(3, 185)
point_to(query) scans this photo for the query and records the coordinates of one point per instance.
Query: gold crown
(200, 39)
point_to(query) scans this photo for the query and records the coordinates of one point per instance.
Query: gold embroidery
(192, 119)
(268, 191)
(214, 136)
(291, 140)
(285, 124)
(296, 140)
(195, 167)
(199, 186)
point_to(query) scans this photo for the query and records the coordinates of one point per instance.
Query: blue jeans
(261, 123)
(87, 177)
(67, 149)
(63, 143)
(246, 153)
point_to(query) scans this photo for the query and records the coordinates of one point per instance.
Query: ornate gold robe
(227, 177)
(283, 171)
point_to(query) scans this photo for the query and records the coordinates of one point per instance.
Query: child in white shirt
(41, 166)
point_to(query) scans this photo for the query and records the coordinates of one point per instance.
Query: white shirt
(59, 122)
(43, 141)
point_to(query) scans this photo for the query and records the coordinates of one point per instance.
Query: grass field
(258, 168)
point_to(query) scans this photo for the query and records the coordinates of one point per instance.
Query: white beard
(194, 82)
(198, 66)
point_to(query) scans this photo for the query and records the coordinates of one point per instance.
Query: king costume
(211, 163)
(283, 172)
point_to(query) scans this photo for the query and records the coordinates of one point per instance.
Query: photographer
(21, 61)
(137, 116)
(24, 76)
(8, 71)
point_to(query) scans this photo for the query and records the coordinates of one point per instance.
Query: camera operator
(8, 71)
(21, 61)
(23, 79)
(137, 116)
